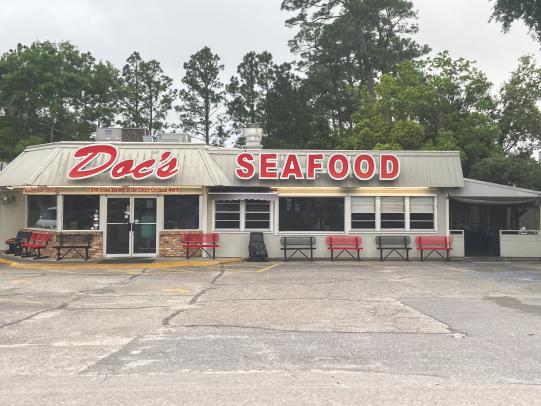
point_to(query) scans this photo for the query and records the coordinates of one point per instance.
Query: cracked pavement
(306, 333)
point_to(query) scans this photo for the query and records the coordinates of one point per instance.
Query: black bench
(392, 244)
(298, 245)
(14, 243)
(72, 242)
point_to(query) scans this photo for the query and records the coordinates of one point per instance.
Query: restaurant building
(137, 198)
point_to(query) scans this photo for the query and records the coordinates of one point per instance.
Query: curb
(95, 265)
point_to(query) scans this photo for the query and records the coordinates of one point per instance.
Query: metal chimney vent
(253, 135)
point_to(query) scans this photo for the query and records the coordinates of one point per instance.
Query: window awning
(267, 197)
(496, 201)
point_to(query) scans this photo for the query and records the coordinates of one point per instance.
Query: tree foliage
(147, 95)
(202, 97)
(53, 92)
(247, 91)
(529, 11)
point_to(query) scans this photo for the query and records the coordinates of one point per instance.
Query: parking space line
(268, 268)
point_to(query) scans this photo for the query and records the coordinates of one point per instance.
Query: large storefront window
(393, 213)
(181, 212)
(41, 212)
(363, 213)
(81, 212)
(311, 214)
(422, 213)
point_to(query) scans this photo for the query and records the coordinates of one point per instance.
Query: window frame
(242, 219)
(351, 213)
(407, 220)
(59, 214)
(200, 215)
(347, 216)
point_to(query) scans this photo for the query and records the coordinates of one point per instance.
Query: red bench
(35, 244)
(435, 244)
(345, 243)
(200, 242)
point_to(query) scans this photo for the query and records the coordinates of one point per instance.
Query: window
(393, 213)
(81, 212)
(421, 213)
(311, 214)
(227, 215)
(41, 211)
(363, 213)
(181, 212)
(242, 215)
(257, 215)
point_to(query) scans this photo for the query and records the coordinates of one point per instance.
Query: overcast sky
(171, 30)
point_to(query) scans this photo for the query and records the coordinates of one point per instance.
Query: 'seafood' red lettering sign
(338, 166)
(163, 168)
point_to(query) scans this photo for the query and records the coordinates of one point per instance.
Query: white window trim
(406, 229)
(242, 220)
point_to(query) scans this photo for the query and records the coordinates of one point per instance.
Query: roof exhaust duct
(254, 136)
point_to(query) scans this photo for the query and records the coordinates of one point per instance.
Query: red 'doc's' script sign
(338, 166)
(100, 158)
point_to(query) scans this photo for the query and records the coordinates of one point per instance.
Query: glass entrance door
(131, 226)
(118, 226)
(144, 225)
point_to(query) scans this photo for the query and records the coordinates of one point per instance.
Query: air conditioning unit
(120, 134)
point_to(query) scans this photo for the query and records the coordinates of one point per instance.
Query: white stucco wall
(12, 217)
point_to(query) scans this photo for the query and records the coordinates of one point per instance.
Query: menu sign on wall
(338, 166)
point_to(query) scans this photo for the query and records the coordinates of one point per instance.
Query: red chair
(35, 244)
(345, 243)
(200, 242)
(435, 244)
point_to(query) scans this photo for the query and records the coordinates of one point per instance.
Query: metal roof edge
(498, 185)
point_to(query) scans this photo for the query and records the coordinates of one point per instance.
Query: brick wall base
(96, 245)
(171, 244)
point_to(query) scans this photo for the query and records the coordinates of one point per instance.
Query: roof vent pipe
(253, 135)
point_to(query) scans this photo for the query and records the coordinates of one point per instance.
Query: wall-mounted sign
(135, 189)
(39, 189)
(101, 158)
(338, 166)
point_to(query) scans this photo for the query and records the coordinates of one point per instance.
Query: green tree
(247, 91)
(292, 122)
(100, 98)
(440, 104)
(529, 11)
(519, 117)
(147, 95)
(202, 97)
(45, 92)
(513, 170)
(131, 102)
(376, 33)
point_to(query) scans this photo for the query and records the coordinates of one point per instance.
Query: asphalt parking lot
(390, 333)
